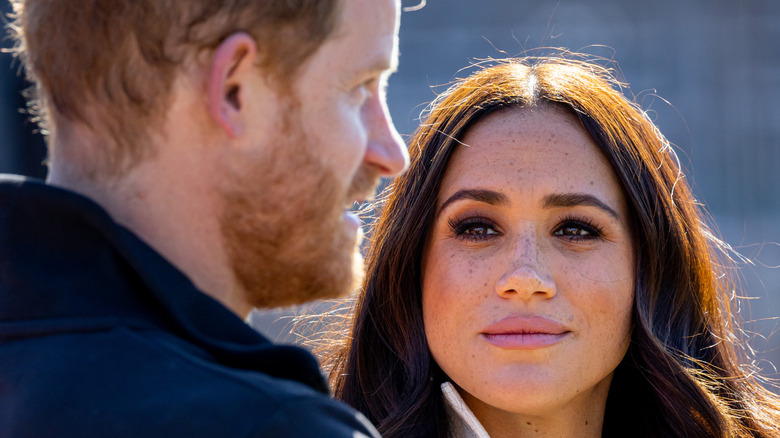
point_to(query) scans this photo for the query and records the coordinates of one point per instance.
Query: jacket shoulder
(129, 383)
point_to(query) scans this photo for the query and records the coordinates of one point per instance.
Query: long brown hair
(685, 373)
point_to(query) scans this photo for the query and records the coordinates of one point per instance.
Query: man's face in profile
(287, 232)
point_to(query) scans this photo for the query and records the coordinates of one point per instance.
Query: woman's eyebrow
(577, 199)
(480, 195)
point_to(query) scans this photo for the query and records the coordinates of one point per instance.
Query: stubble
(283, 226)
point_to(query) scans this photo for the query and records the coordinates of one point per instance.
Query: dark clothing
(101, 337)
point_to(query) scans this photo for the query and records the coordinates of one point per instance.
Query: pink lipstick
(524, 333)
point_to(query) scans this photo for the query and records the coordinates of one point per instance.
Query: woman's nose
(526, 275)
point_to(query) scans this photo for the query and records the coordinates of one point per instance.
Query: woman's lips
(524, 333)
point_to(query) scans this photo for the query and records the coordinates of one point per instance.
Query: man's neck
(168, 202)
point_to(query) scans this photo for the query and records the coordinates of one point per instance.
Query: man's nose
(386, 150)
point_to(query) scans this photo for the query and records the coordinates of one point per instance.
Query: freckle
(528, 423)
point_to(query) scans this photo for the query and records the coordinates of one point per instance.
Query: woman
(543, 269)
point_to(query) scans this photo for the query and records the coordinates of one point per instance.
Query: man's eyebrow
(381, 67)
(383, 63)
(480, 195)
(393, 66)
(577, 199)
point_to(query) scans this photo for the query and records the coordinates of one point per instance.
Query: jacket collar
(463, 423)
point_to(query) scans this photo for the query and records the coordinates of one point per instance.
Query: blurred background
(707, 70)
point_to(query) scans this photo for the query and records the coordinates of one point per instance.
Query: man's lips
(524, 333)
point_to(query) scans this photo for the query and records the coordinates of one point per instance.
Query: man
(203, 155)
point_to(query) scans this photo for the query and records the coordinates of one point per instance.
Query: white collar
(463, 423)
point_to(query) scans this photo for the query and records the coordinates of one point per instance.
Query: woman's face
(528, 270)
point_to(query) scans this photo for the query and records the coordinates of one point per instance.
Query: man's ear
(232, 65)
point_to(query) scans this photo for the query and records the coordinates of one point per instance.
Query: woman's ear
(232, 66)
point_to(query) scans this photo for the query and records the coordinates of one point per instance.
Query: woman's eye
(577, 230)
(473, 229)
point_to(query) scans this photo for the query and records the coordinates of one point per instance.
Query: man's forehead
(371, 29)
(379, 17)
(382, 62)
(376, 63)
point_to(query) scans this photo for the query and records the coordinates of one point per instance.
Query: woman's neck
(512, 425)
(581, 417)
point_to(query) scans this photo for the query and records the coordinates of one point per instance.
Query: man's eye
(360, 93)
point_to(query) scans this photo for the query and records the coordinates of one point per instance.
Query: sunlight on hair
(416, 7)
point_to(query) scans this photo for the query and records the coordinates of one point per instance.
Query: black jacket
(102, 337)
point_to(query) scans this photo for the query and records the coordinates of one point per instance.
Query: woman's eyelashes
(473, 228)
(479, 228)
(576, 228)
